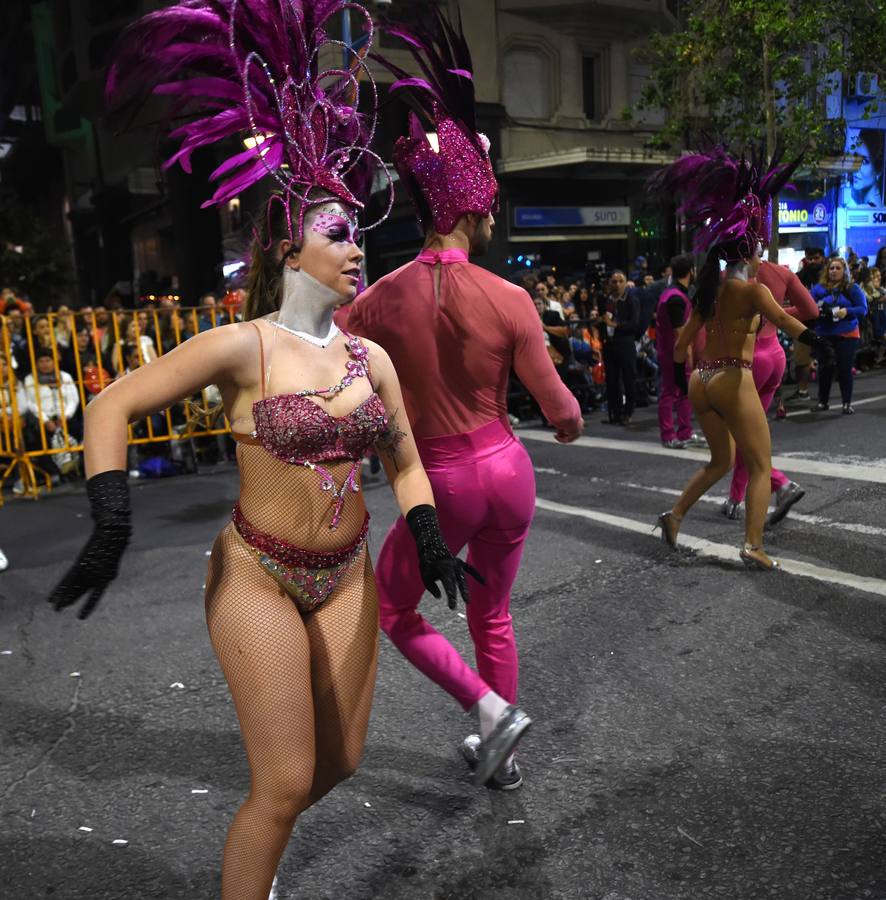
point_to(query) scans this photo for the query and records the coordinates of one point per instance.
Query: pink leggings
(769, 363)
(669, 399)
(484, 488)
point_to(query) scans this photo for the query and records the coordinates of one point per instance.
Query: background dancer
(671, 314)
(290, 596)
(768, 370)
(729, 202)
(453, 331)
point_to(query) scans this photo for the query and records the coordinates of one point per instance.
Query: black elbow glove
(680, 379)
(97, 565)
(822, 347)
(435, 562)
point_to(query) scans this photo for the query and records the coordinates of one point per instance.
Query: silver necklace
(310, 338)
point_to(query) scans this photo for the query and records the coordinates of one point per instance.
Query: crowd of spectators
(600, 331)
(56, 362)
(599, 328)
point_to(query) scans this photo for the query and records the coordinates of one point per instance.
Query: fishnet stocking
(302, 687)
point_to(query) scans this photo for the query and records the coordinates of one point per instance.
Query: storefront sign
(571, 216)
(804, 214)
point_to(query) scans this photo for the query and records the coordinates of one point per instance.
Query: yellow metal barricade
(53, 364)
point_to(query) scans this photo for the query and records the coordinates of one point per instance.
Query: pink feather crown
(252, 67)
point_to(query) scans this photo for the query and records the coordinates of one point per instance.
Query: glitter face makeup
(336, 227)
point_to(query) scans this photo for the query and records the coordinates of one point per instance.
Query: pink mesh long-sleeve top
(789, 292)
(454, 347)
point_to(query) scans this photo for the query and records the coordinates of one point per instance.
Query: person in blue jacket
(842, 305)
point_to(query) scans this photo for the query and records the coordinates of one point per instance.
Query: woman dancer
(768, 370)
(290, 595)
(729, 201)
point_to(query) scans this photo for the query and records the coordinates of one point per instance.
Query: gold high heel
(670, 527)
(753, 556)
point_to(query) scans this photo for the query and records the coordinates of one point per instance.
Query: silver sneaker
(696, 440)
(785, 498)
(495, 750)
(673, 444)
(507, 778)
(731, 509)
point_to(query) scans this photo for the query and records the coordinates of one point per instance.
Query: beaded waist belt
(307, 576)
(724, 362)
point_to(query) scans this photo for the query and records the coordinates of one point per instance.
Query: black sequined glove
(822, 348)
(680, 380)
(435, 562)
(98, 562)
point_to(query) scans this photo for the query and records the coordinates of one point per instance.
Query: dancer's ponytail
(707, 284)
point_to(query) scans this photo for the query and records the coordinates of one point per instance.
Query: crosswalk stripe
(869, 471)
(725, 552)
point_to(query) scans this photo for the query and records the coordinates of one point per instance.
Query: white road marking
(799, 517)
(871, 471)
(822, 412)
(725, 552)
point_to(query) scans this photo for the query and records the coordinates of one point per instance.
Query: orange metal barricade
(41, 406)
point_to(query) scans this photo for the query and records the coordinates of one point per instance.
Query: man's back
(453, 346)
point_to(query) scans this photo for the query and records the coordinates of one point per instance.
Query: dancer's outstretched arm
(214, 357)
(765, 303)
(537, 373)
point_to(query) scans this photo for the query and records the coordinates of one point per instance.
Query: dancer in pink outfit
(671, 313)
(453, 331)
(768, 369)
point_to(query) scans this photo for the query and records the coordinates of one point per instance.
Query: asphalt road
(700, 731)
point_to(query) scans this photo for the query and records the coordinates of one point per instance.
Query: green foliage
(732, 63)
(34, 254)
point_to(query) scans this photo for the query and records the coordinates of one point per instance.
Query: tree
(34, 254)
(745, 71)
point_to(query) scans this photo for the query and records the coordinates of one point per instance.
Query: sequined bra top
(296, 430)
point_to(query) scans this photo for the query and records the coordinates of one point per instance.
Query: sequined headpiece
(251, 68)
(454, 178)
(727, 200)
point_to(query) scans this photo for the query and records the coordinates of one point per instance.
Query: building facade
(553, 80)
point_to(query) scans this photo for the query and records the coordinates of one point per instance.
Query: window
(527, 84)
(590, 81)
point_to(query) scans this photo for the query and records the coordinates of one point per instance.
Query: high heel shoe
(670, 527)
(753, 556)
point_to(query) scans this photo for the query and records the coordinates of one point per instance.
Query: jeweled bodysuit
(294, 430)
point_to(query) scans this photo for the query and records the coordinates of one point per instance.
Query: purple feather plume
(235, 68)
(443, 55)
(726, 199)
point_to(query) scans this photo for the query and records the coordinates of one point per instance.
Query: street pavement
(699, 731)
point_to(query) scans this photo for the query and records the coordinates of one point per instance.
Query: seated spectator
(132, 338)
(208, 317)
(95, 368)
(64, 327)
(51, 407)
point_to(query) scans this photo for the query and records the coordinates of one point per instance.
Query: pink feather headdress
(456, 177)
(251, 67)
(727, 200)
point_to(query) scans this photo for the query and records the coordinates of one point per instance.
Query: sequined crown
(455, 179)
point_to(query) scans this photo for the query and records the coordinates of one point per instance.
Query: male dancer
(671, 314)
(453, 331)
(768, 369)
